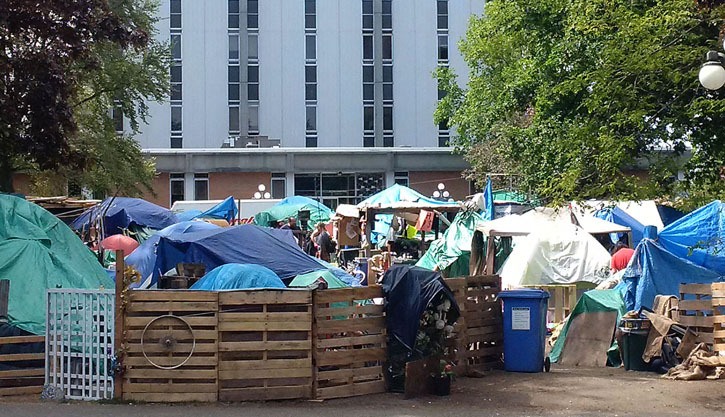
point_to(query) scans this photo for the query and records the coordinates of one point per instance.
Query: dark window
(279, 182)
(369, 118)
(311, 141)
(234, 47)
(234, 92)
(387, 9)
(176, 92)
(233, 6)
(444, 141)
(367, 6)
(387, 22)
(388, 141)
(443, 47)
(369, 73)
(176, 118)
(443, 125)
(176, 47)
(233, 21)
(176, 185)
(177, 143)
(253, 74)
(176, 73)
(388, 92)
(311, 115)
(387, 118)
(175, 15)
(175, 6)
(201, 187)
(310, 52)
(253, 47)
(233, 73)
(310, 74)
(117, 115)
(387, 47)
(310, 21)
(367, 46)
(252, 6)
(443, 7)
(252, 21)
(234, 119)
(387, 73)
(253, 121)
(368, 141)
(442, 22)
(253, 91)
(310, 91)
(310, 6)
(367, 22)
(368, 92)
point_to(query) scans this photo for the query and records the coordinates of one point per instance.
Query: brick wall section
(240, 185)
(160, 186)
(427, 182)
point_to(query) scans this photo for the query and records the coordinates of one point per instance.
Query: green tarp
(37, 252)
(290, 207)
(309, 278)
(590, 302)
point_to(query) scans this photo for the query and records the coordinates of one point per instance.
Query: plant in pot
(442, 378)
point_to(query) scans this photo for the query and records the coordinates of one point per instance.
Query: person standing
(324, 242)
(621, 255)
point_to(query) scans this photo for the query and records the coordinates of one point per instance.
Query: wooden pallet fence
(483, 323)
(695, 310)
(350, 342)
(21, 373)
(265, 345)
(179, 331)
(718, 305)
(563, 297)
(457, 344)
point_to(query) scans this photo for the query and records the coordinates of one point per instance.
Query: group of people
(318, 243)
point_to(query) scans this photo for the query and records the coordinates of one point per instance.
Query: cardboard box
(348, 232)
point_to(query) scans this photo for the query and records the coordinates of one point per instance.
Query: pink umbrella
(120, 242)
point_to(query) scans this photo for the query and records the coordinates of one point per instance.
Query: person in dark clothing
(291, 224)
(323, 242)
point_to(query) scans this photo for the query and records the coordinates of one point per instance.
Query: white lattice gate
(79, 343)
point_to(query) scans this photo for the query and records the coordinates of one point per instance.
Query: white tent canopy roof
(533, 220)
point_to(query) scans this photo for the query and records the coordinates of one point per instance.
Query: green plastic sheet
(38, 252)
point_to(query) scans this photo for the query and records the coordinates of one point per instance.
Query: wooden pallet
(28, 373)
(456, 345)
(718, 305)
(196, 379)
(483, 322)
(265, 345)
(695, 310)
(563, 297)
(350, 342)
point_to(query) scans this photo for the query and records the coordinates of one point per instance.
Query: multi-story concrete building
(332, 99)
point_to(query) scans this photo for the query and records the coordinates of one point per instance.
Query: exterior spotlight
(712, 73)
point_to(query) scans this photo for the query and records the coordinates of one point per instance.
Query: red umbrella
(120, 242)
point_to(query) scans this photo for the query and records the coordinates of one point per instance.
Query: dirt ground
(563, 392)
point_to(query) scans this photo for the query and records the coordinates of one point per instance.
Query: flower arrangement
(445, 370)
(434, 329)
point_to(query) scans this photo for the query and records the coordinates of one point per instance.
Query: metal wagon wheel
(167, 336)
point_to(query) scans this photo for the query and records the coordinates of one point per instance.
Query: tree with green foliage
(63, 67)
(577, 95)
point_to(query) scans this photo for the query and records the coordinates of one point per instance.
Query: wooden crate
(695, 310)
(28, 373)
(265, 345)
(457, 344)
(562, 302)
(483, 323)
(350, 342)
(165, 316)
(718, 306)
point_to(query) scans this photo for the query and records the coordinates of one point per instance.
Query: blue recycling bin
(524, 329)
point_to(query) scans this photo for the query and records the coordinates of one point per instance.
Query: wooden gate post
(119, 323)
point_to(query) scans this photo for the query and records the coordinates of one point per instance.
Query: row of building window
(444, 133)
(177, 187)
(311, 73)
(176, 75)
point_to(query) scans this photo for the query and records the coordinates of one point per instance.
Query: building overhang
(301, 160)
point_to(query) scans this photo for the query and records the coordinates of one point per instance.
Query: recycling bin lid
(524, 293)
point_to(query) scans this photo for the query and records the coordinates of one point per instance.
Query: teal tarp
(453, 249)
(238, 277)
(591, 301)
(289, 207)
(37, 252)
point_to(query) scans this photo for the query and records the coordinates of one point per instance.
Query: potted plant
(442, 378)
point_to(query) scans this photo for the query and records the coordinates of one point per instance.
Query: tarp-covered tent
(290, 207)
(558, 253)
(533, 220)
(654, 270)
(645, 212)
(119, 213)
(453, 250)
(248, 244)
(594, 301)
(227, 209)
(695, 236)
(396, 196)
(309, 278)
(238, 277)
(408, 292)
(38, 252)
(621, 217)
(143, 258)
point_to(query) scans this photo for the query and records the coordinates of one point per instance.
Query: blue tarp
(393, 194)
(226, 210)
(618, 216)
(408, 292)
(247, 244)
(188, 215)
(238, 277)
(653, 270)
(122, 212)
(698, 236)
(143, 258)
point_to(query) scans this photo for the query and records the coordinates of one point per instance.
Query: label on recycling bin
(520, 318)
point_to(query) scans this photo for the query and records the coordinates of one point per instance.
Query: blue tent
(654, 270)
(393, 194)
(247, 244)
(123, 212)
(618, 216)
(238, 277)
(143, 258)
(696, 235)
(227, 210)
